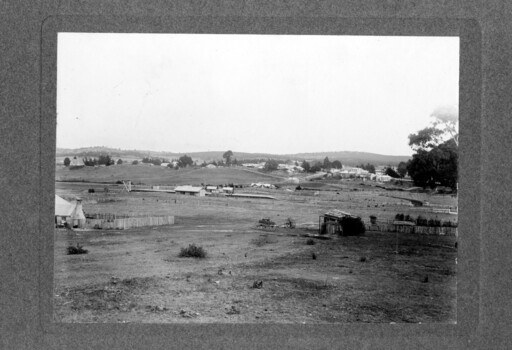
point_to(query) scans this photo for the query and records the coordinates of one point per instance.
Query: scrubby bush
(421, 221)
(77, 250)
(310, 241)
(91, 190)
(352, 226)
(192, 251)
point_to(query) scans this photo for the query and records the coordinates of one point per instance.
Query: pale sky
(251, 93)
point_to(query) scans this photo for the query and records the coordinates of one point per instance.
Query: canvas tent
(69, 213)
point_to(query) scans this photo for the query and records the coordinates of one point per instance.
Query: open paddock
(135, 275)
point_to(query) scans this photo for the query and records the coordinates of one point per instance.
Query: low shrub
(91, 190)
(421, 221)
(77, 250)
(352, 226)
(192, 251)
(310, 241)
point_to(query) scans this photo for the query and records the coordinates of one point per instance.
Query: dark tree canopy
(185, 161)
(337, 164)
(389, 171)
(402, 169)
(271, 165)
(316, 167)
(327, 163)
(119, 161)
(67, 161)
(368, 167)
(306, 166)
(437, 166)
(227, 155)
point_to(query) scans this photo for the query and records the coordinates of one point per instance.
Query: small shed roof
(188, 189)
(337, 213)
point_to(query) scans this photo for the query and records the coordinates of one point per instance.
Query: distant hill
(345, 157)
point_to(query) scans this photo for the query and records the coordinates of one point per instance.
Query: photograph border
(299, 335)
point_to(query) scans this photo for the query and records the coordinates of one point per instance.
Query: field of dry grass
(136, 275)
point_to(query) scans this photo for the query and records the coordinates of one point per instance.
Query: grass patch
(263, 240)
(193, 251)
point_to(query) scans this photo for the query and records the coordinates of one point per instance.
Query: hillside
(158, 175)
(345, 157)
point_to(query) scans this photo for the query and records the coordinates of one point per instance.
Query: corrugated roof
(188, 189)
(337, 213)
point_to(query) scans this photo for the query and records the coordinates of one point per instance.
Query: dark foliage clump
(352, 226)
(192, 251)
(77, 250)
(310, 241)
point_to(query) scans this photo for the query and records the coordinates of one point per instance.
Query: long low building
(190, 190)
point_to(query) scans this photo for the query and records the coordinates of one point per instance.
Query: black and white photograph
(258, 179)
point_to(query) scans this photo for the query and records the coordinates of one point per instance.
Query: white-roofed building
(69, 213)
(191, 190)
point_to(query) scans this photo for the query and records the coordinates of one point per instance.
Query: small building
(331, 222)
(76, 163)
(227, 190)
(190, 190)
(383, 178)
(210, 189)
(69, 214)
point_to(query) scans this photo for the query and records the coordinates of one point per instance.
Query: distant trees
(436, 159)
(389, 171)
(327, 164)
(154, 161)
(135, 162)
(119, 161)
(104, 159)
(315, 167)
(368, 167)
(402, 169)
(306, 166)
(227, 156)
(67, 161)
(185, 161)
(337, 164)
(271, 165)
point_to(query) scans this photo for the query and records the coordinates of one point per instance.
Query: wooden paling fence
(125, 223)
(423, 230)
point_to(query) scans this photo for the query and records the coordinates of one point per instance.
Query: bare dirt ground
(136, 275)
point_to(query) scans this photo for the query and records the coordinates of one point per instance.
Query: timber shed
(333, 221)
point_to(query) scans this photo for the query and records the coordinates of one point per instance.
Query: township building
(190, 190)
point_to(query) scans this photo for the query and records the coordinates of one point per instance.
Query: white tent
(70, 213)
